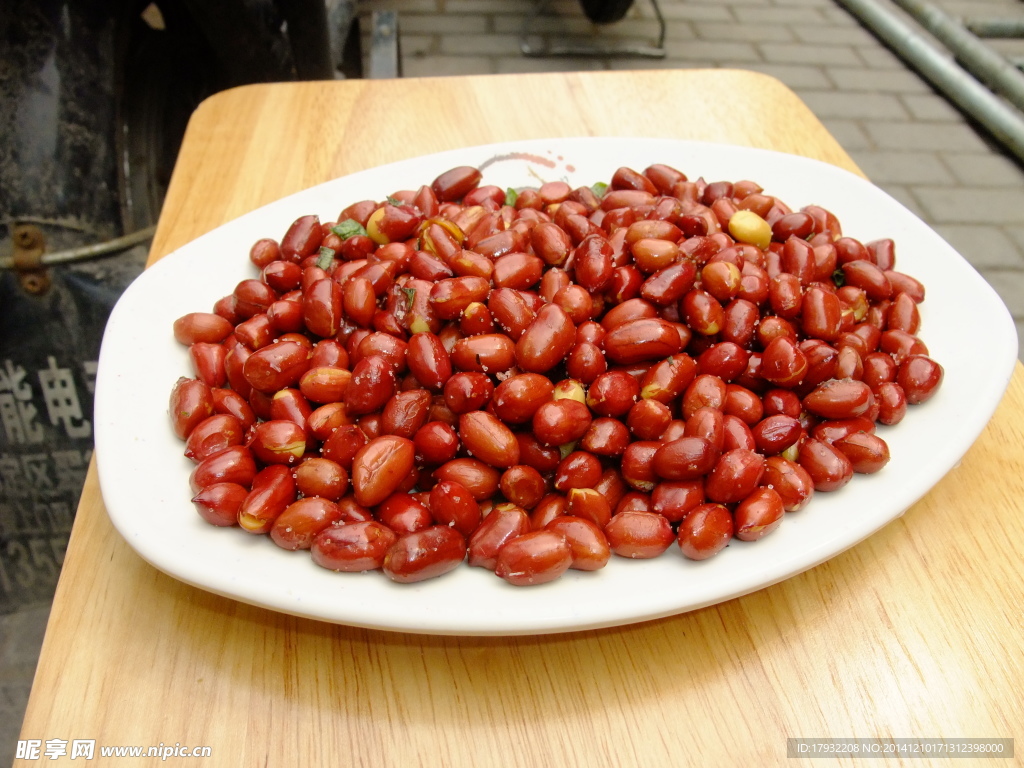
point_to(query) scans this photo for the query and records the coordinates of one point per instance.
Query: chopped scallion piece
(326, 257)
(348, 228)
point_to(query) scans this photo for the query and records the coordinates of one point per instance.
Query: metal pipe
(1004, 28)
(968, 94)
(977, 57)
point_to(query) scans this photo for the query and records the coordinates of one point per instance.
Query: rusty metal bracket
(95, 250)
(29, 245)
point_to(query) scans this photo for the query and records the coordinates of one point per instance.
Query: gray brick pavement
(992, 248)
(849, 133)
(818, 34)
(796, 76)
(811, 53)
(867, 106)
(985, 169)
(733, 31)
(885, 167)
(972, 205)
(866, 80)
(912, 135)
(929, 106)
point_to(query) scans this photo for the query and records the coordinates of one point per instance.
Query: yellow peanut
(748, 227)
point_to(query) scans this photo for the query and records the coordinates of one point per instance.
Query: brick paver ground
(905, 136)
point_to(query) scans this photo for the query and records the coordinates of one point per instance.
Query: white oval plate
(144, 477)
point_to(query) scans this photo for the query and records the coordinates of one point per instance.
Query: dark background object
(59, 176)
(600, 13)
(606, 11)
(94, 100)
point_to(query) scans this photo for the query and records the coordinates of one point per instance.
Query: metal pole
(977, 57)
(385, 60)
(1006, 28)
(1002, 121)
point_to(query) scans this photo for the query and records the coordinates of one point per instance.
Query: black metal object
(311, 43)
(606, 11)
(598, 11)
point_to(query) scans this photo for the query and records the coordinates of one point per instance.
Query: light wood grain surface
(916, 632)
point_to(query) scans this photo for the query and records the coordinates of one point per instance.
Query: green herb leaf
(599, 188)
(511, 196)
(326, 257)
(348, 228)
(839, 278)
(410, 295)
(395, 200)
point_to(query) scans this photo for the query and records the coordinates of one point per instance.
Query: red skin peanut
(541, 382)
(534, 558)
(705, 532)
(380, 467)
(424, 554)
